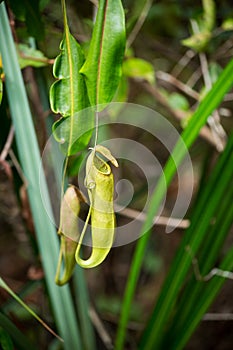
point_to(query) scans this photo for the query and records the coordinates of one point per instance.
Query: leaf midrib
(71, 80)
(101, 52)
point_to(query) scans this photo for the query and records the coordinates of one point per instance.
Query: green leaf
(75, 164)
(122, 90)
(198, 41)
(28, 56)
(227, 24)
(82, 128)
(209, 14)
(102, 68)
(215, 70)
(5, 340)
(178, 101)
(26, 307)
(140, 69)
(68, 94)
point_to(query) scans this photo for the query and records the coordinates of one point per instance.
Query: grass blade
(83, 307)
(153, 336)
(19, 338)
(26, 307)
(207, 106)
(203, 295)
(30, 159)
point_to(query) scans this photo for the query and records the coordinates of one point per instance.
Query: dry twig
(205, 132)
(158, 220)
(8, 144)
(100, 328)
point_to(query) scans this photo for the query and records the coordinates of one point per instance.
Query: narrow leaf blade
(102, 68)
(209, 103)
